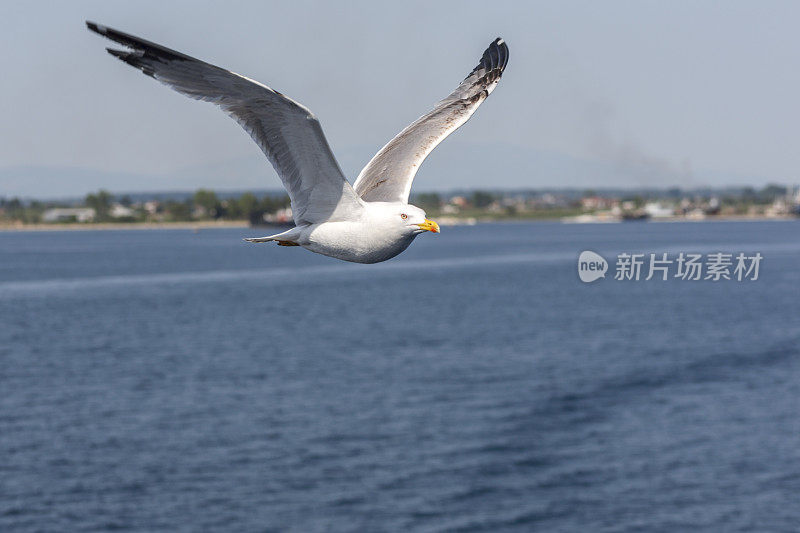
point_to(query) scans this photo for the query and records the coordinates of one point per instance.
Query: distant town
(459, 207)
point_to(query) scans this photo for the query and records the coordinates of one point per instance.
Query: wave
(266, 275)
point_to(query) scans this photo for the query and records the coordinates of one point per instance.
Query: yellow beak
(429, 225)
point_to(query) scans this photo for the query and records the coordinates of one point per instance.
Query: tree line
(204, 204)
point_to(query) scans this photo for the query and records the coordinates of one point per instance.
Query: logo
(664, 266)
(591, 266)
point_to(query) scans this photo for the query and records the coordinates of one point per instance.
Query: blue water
(179, 381)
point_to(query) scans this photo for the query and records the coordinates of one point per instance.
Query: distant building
(596, 202)
(67, 214)
(713, 206)
(120, 211)
(549, 199)
(657, 210)
(459, 201)
(494, 207)
(696, 213)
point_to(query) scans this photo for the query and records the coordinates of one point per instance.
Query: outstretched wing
(288, 133)
(388, 177)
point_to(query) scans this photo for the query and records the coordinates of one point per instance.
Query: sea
(177, 380)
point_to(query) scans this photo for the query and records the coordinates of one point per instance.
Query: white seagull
(368, 222)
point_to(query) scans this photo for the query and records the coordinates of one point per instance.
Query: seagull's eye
(403, 216)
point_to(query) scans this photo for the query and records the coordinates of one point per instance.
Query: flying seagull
(368, 222)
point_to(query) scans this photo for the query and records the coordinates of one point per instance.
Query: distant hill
(451, 166)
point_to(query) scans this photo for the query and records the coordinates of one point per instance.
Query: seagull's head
(414, 220)
(402, 219)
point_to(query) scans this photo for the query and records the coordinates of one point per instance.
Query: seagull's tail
(287, 238)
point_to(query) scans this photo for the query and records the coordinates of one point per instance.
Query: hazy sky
(686, 93)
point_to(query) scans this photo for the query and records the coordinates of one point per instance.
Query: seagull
(368, 222)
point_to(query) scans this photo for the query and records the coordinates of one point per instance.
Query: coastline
(448, 221)
(205, 224)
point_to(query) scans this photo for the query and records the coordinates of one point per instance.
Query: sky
(596, 94)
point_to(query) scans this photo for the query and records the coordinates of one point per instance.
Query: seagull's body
(368, 222)
(371, 238)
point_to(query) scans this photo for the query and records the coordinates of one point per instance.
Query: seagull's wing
(288, 133)
(388, 177)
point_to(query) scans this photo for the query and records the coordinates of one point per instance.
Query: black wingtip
(95, 27)
(151, 49)
(494, 59)
(117, 53)
(498, 52)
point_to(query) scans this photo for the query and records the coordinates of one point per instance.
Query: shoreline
(103, 226)
(209, 224)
